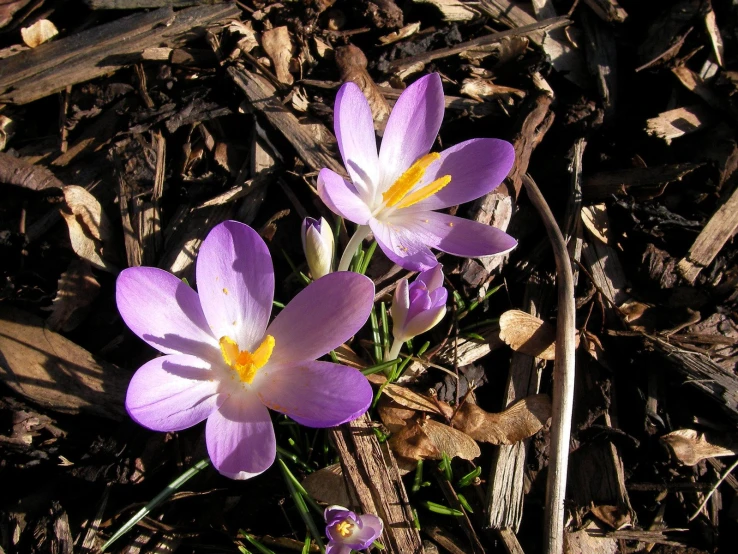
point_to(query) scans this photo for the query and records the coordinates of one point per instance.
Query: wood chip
(678, 122)
(452, 10)
(76, 290)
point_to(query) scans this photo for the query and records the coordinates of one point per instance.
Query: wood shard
(678, 122)
(52, 67)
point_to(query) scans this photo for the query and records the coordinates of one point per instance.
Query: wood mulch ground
(129, 128)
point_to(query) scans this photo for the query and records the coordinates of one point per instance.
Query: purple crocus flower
(395, 192)
(346, 531)
(417, 307)
(226, 363)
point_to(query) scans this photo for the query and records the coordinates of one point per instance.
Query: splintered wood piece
(452, 10)
(533, 29)
(563, 56)
(608, 10)
(308, 139)
(145, 4)
(375, 486)
(52, 67)
(602, 60)
(53, 372)
(14, 171)
(678, 122)
(604, 185)
(721, 227)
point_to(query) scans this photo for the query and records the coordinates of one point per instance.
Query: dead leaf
(449, 440)
(616, 517)
(393, 416)
(89, 228)
(7, 130)
(77, 289)
(248, 40)
(278, 46)
(52, 371)
(412, 400)
(407, 31)
(526, 333)
(327, 485)
(483, 90)
(38, 33)
(520, 421)
(691, 447)
(412, 443)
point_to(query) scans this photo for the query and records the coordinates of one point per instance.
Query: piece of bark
(608, 10)
(563, 56)
(602, 60)
(352, 64)
(696, 84)
(52, 67)
(53, 372)
(146, 4)
(14, 171)
(452, 10)
(507, 471)
(310, 140)
(678, 122)
(718, 230)
(666, 34)
(604, 185)
(714, 32)
(374, 484)
(658, 537)
(497, 207)
(535, 28)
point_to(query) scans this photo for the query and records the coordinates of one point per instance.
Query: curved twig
(563, 392)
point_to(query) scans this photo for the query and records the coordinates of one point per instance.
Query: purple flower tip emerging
(317, 242)
(346, 531)
(398, 190)
(418, 306)
(225, 363)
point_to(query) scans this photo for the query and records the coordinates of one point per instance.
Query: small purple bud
(418, 306)
(317, 242)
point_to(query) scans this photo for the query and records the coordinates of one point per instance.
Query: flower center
(401, 193)
(246, 364)
(344, 528)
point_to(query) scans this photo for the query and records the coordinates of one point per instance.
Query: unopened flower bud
(418, 306)
(317, 242)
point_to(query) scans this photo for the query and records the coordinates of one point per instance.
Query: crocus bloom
(395, 192)
(317, 242)
(226, 363)
(346, 531)
(418, 306)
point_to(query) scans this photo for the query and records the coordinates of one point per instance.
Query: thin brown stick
(563, 392)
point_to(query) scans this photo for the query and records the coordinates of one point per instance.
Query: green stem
(362, 231)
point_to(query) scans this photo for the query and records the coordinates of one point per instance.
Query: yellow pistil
(344, 528)
(425, 192)
(246, 364)
(409, 179)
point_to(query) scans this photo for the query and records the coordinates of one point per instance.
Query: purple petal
(341, 197)
(431, 278)
(476, 167)
(240, 437)
(424, 321)
(438, 297)
(457, 236)
(165, 312)
(419, 304)
(337, 548)
(316, 394)
(335, 513)
(412, 127)
(235, 280)
(321, 317)
(172, 393)
(356, 139)
(371, 528)
(404, 248)
(400, 304)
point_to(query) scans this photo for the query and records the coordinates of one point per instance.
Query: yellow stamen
(344, 528)
(409, 179)
(425, 192)
(246, 364)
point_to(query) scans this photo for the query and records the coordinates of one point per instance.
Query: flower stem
(394, 350)
(362, 231)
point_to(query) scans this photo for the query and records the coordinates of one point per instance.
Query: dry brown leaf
(596, 221)
(412, 443)
(407, 31)
(520, 421)
(526, 333)
(616, 517)
(53, 372)
(485, 90)
(248, 40)
(449, 440)
(77, 289)
(38, 33)
(89, 228)
(327, 485)
(393, 416)
(278, 46)
(691, 447)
